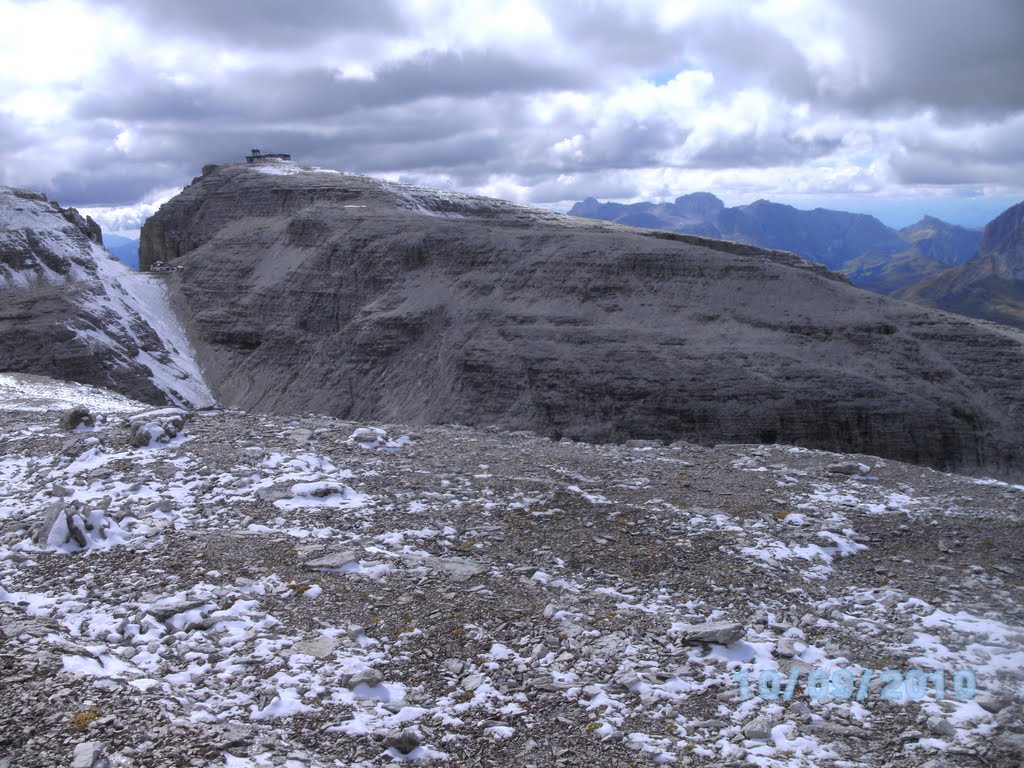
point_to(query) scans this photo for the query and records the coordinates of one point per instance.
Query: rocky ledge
(248, 590)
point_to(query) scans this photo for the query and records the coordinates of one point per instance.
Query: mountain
(991, 285)
(302, 591)
(312, 291)
(68, 309)
(861, 247)
(934, 246)
(124, 249)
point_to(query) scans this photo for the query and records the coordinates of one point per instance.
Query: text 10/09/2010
(891, 685)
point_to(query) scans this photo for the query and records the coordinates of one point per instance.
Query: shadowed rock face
(316, 291)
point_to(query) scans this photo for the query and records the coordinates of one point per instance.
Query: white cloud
(533, 100)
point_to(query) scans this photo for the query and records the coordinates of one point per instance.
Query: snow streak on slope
(145, 294)
(25, 392)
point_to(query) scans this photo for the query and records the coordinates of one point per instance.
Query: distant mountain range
(989, 286)
(973, 272)
(124, 249)
(872, 255)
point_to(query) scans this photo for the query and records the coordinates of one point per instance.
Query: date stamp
(889, 684)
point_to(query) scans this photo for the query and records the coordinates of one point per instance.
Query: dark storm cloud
(265, 94)
(616, 38)
(762, 151)
(114, 184)
(13, 134)
(993, 153)
(947, 54)
(742, 52)
(262, 23)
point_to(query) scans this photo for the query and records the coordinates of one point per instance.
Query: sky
(892, 107)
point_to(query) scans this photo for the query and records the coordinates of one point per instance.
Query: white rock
(88, 754)
(723, 632)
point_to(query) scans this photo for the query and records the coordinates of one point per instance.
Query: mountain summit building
(256, 156)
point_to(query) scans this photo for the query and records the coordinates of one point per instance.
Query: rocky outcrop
(991, 285)
(320, 291)
(68, 309)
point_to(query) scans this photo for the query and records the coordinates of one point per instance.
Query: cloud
(943, 54)
(537, 100)
(262, 23)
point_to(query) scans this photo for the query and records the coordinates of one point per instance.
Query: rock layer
(320, 291)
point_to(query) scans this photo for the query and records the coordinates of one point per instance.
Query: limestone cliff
(321, 291)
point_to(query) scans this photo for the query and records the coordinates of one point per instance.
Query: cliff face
(69, 310)
(319, 291)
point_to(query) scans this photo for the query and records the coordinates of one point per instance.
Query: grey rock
(369, 677)
(89, 754)
(404, 741)
(73, 417)
(723, 632)
(848, 468)
(758, 728)
(416, 333)
(322, 647)
(941, 727)
(331, 561)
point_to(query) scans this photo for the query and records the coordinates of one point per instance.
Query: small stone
(404, 741)
(322, 647)
(723, 632)
(941, 727)
(369, 677)
(758, 728)
(76, 416)
(786, 647)
(848, 468)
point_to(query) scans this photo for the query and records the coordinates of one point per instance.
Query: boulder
(722, 632)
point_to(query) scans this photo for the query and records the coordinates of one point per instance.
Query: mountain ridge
(991, 285)
(308, 290)
(871, 254)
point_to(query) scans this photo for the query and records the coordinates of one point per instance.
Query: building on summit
(256, 156)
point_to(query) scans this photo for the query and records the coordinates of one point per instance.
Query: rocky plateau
(311, 290)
